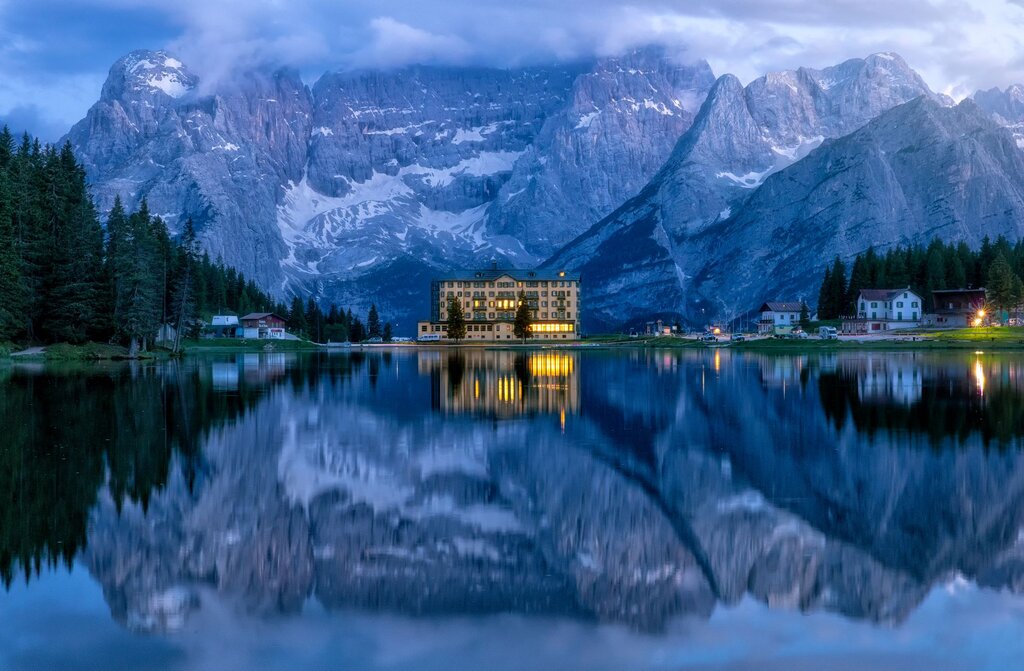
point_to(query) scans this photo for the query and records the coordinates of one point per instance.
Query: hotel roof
(491, 274)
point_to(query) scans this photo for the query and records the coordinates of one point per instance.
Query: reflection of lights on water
(979, 376)
(718, 361)
(507, 388)
(552, 365)
(476, 389)
(561, 419)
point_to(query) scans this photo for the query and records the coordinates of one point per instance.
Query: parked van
(429, 337)
(828, 333)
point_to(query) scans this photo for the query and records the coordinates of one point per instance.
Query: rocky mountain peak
(149, 73)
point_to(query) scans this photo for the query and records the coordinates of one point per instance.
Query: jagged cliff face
(916, 172)
(220, 158)
(363, 187)
(621, 122)
(646, 506)
(673, 194)
(640, 255)
(1006, 108)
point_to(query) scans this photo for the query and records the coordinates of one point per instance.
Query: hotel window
(899, 304)
(913, 304)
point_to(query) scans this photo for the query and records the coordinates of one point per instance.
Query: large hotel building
(489, 304)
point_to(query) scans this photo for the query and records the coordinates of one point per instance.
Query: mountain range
(674, 193)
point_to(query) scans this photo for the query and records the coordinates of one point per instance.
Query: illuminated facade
(489, 300)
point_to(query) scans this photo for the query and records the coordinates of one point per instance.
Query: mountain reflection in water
(624, 487)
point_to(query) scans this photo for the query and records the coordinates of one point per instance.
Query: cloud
(396, 43)
(957, 45)
(33, 120)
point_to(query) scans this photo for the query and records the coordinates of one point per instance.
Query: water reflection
(503, 383)
(620, 487)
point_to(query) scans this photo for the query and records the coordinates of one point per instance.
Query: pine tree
(825, 308)
(297, 317)
(11, 289)
(521, 327)
(456, 320)
(184, 299)
(386, 335)
(837, 295)
(805, 317)
(373, 328)
(1002, 284)
(138, 291)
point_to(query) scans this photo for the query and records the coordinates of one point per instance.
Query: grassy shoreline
(992, 338)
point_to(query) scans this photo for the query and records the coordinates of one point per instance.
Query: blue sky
(54, 54)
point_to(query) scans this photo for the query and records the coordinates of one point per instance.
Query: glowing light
(717, 331)
(552, 365)
(552, 328)
(981, 313)
(977, 322)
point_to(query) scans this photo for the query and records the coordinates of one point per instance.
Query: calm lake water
(502, 510)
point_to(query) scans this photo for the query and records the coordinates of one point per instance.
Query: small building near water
(881, 310)
(957, 308)
(779, 317)
(223, 326)
(263, 325)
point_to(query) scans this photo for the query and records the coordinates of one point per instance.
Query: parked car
(800, 335)
(708, 337)
(738, 337)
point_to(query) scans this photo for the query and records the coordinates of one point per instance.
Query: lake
(544, 509)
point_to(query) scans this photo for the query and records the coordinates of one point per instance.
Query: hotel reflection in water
(503, 383)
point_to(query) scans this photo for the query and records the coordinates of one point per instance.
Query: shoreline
(992, 338)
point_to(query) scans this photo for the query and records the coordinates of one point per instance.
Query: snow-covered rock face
(143, 73)
(363, 187)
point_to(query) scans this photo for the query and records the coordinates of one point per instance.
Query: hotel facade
(489, 299)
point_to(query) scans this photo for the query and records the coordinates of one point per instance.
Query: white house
(885, 310)
(779, 316)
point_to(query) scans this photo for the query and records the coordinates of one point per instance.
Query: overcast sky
(54, 54)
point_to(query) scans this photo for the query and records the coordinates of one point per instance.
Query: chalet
(261, 325)
(958, 308)
(884, 310)
(779, 317)
(223, 326)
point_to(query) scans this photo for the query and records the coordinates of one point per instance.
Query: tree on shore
(805, 317)
(386, 334)
(456, 320)
(373, 328)
(183, 300)
(1004, 287)
(521, 327)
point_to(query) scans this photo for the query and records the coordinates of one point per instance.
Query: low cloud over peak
(55, 53)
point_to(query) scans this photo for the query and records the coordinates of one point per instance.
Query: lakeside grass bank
(988, 338)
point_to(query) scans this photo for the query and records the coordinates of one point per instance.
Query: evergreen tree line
(64, 277)
(336, 325)
(997, 265)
